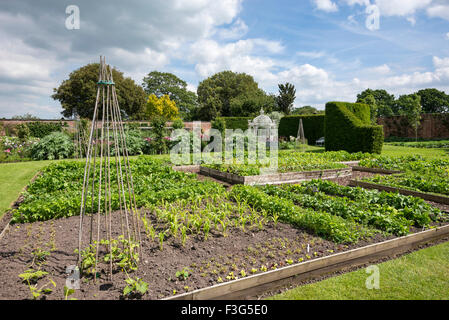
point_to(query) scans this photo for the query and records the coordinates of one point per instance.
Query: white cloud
(247, 56)
(447, 36)
(326, 5)
(412, 20)
(37, 52)
(440, 11)
(237, 30)
(359, 2)
(311, 54)
(401, 7)
(383, 69)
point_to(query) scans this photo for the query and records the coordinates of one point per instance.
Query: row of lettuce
(340, 214)
(418, 173)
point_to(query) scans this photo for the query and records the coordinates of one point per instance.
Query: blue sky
(323, 47)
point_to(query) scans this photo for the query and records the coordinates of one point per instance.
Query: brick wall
(432, 126)
(71, 124)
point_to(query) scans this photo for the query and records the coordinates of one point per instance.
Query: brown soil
(205, 260)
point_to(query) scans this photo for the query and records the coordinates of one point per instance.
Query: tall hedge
(313, 126)
(347, 127)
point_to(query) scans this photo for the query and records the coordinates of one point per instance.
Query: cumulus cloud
(326, 5)
(440, 11)
(137, 36)
(237, 30)
(401, 7)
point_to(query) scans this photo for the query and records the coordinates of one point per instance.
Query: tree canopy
(165, 83)
(162, 107)
(434, 101)
(228, 93)
(78, 93)
(385, 102)
(286, 97)
(306, 110)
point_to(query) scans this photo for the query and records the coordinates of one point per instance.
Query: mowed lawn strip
(421, 275)
(396, 151)
(14, 177)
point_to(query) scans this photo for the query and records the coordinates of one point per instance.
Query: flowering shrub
(14, 149)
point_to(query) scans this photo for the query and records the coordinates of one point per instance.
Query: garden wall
(432, 126)
(6, 124)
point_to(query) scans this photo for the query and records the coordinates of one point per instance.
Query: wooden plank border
(276, 178)
(194, 168)
(375, 170)
(260, 283)
(425, 196)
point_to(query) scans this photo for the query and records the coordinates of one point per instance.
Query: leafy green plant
(135, 288)
(56, 145)
(182, 274)
(68, 292)
(36, 291)
(32, 276)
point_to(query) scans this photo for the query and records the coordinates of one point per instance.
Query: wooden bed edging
(194, 168)
(425, 196)
(256, 284)
(276, 178)
(375, 170)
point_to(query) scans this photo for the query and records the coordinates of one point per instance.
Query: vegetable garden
(198, 233)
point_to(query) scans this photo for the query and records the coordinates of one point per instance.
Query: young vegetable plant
(37, 292)
(136, 288)
(182, 275)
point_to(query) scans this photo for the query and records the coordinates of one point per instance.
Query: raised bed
(260, 283)
(194, 168)
(276, 178)
(425, 196)
(375, 170)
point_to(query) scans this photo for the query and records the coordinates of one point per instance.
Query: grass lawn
(396, 151)
(389, 150)
(420, 275)
(15, 176)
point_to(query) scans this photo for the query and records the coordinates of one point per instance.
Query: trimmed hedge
(236, 122)
(288, 126)
(313, 126)
(347, 127)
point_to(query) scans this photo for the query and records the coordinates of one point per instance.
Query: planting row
(57, 191)
(294, 162)
(424, 175)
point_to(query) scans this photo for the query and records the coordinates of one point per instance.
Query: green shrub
(219, 124)
(135, 143)
(40, 129)
(178, 124)
(313, 126)
(56, 145)
(23, 132)
(236, 122)
(347, 127)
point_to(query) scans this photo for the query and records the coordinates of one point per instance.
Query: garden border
(375, 170)
(276, 178)
(267, 281)
(425, 196)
